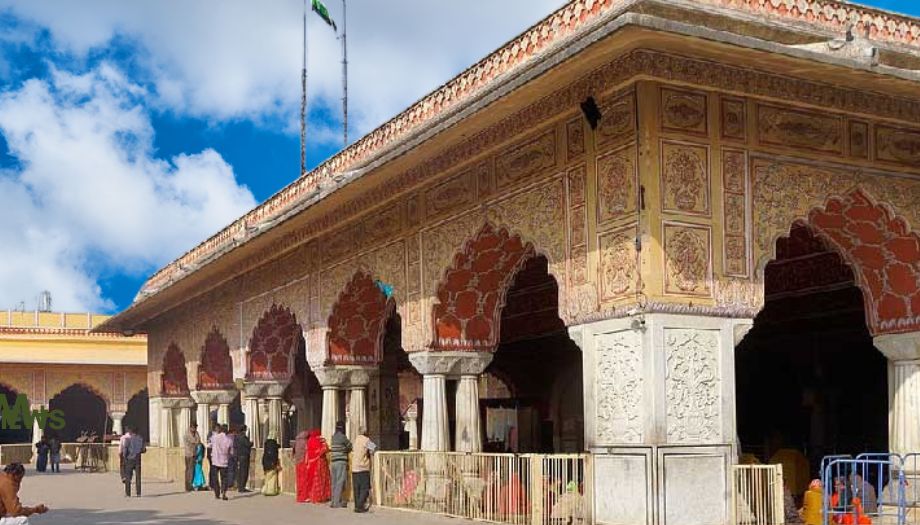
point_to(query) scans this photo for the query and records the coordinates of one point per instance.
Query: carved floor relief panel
(619, 387)
(693, 385)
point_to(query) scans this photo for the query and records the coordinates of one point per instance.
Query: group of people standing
(322, 467)
(48, 448)
(228, 453)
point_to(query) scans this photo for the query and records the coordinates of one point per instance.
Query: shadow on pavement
(104, 517)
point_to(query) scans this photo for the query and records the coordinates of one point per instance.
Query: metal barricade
(862, 490)
(758, 495)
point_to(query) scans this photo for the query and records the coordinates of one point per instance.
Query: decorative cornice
(452, 364)
(570, 21)
(68, 332)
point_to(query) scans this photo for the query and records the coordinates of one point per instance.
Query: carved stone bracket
(451, 364)
(214, 397)
(899, 347)
(177, 402)
(344, 376)
(264, 389)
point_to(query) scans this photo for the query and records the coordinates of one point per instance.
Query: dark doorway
(540, 367)
(21, 435)
(138, 414)
(809, 381)
(83, 410)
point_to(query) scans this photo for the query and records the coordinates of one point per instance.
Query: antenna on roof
(344, 80)
(303, 98)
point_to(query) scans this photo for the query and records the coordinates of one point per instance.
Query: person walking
(55, 444)
(190, 442)
(12, 512)
(362, 448)
(243, 447)
(221, 452)
(198, 480)
(134, 447)
(212, 472)
(339, 448)
(232, 461)
(122, 443)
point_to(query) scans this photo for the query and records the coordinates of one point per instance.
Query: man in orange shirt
(11, 510)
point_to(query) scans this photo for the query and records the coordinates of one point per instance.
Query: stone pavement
(82, 499)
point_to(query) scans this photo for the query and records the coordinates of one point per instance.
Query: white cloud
(225, 59)
(89, 193)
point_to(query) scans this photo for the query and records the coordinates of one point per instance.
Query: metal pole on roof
(344, 80)
(303, 98)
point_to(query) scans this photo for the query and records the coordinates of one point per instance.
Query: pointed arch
(174, 377)
(358, 321)
(881, 250)
(470, 297)
(273, 344)
(215, 367)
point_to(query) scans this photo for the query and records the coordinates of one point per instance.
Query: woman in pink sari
(313, 482)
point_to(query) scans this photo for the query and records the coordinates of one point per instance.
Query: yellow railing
(758, 495)
(518, 489)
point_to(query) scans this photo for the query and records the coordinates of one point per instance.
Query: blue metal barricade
(867, 489)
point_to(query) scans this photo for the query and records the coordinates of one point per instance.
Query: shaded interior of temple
(21, 435)
(84, 410)
(536, 374)
(138, 414)
(809, 381)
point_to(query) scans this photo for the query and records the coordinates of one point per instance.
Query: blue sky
(130, 131)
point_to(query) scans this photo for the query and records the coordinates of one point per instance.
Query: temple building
(98, 380)
(672, 234)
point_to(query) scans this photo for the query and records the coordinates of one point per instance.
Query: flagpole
(344, 80)
(303, 98)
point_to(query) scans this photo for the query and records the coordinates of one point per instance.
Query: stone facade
(655, 221)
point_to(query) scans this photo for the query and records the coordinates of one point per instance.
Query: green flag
(323, 13)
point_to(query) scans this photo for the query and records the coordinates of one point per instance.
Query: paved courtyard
(78, 499)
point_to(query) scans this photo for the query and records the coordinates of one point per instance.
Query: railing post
(378, 478)
(536, 489)
(778, 496)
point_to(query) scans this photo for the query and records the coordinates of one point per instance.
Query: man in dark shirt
(243, 447)
(339, 449)
(133, 448)
(12, 512)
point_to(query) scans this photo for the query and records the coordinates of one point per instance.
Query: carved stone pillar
(223, 413)
(275, 419)
(357, 381)
(412, 426)
(434, 367)
(184, 419)
(251, 413)
(331, 379)
(167, 427)
(903, 353)
(36, 433)
(468, 436)
(206, 400)
(203, 417)
(117, 417)
(263, 409)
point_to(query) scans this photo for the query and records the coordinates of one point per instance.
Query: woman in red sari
(313, 482)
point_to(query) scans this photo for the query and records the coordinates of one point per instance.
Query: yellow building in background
(98, 380)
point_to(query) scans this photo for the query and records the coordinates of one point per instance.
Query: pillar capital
(344, 376)
(450, 364)
(899, 347)
(177, 402)
(214, 397)
(264, 389)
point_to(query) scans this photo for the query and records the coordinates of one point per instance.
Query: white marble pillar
(903, 353)
(223, 413)
(275, 419)
(36, 433)
(435, 426)
(117, 418)
(167, 428)
(412, 426)
(154, 413)
(330, 410)
(468, 437)
(203, 418)
(251, 412)
(184, 420)
(357, 411)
